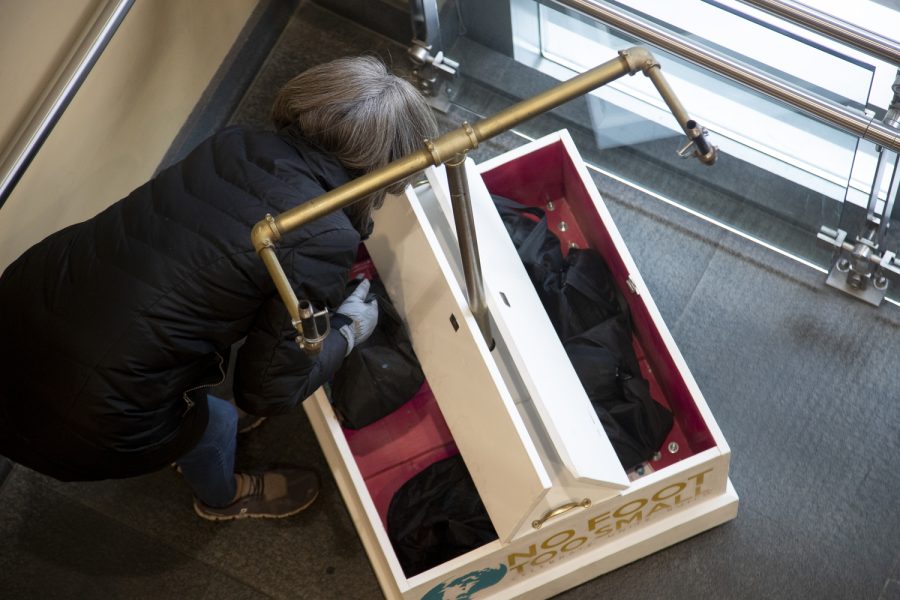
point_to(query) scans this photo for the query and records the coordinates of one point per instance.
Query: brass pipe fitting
(638, 59)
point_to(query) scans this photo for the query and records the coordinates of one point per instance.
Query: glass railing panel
(732, 29)
(777, 210)
(781, 175)
(881, 17)
(753, 127)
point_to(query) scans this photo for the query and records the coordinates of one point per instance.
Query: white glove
(364, 316)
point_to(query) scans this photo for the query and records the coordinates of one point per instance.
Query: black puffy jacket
(113, 328)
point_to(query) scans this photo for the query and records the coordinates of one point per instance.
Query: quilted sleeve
(272, 374)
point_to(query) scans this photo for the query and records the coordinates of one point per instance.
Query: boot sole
(248, 515)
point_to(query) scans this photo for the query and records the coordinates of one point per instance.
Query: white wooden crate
(518, 414)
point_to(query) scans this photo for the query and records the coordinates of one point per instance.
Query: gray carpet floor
(799, 378)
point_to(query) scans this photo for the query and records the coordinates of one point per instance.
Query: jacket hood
(324, 166)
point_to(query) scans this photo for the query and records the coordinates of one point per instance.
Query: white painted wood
(356, 496)
(469, 389)
(539, 358)
(715, 504)
(584, 544)
(643, 542)
(516, 153)
(364, 514)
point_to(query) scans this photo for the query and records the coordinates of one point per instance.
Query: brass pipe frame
(629, 62)
(461, 201)
(270, 230)
(285, 290)
(704, 152)
(266, 251)
(662, 86)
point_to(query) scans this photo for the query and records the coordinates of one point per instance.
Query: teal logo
(465, 587)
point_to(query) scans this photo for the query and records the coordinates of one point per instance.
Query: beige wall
(28, 60)
(119, 126)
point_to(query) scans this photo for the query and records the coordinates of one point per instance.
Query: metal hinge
(632, 286)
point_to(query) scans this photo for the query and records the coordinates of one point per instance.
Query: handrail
(864, 40)
(40, 122)
(819, 108)
(451, 148)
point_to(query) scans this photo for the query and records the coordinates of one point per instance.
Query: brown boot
(274, 494)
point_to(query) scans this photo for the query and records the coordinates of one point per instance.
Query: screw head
(673, 447)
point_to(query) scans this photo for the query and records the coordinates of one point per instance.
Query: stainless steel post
(817, 107)
(32, 135)
(864, 40)
(461, 201)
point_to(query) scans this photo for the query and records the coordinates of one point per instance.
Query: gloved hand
(364, 316)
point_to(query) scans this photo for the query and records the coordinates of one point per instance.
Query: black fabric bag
(593, 321)
(577, 292)
(609, 371)
(436, 516)
(589, 294)
(379, 375)
(538, 250)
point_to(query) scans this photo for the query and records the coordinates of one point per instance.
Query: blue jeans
(209, 467)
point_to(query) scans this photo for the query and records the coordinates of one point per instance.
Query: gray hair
(358, 111)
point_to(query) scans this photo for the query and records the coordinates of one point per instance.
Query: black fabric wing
(379, 375)
(436, 516)
(608, 370)
(593, 321)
